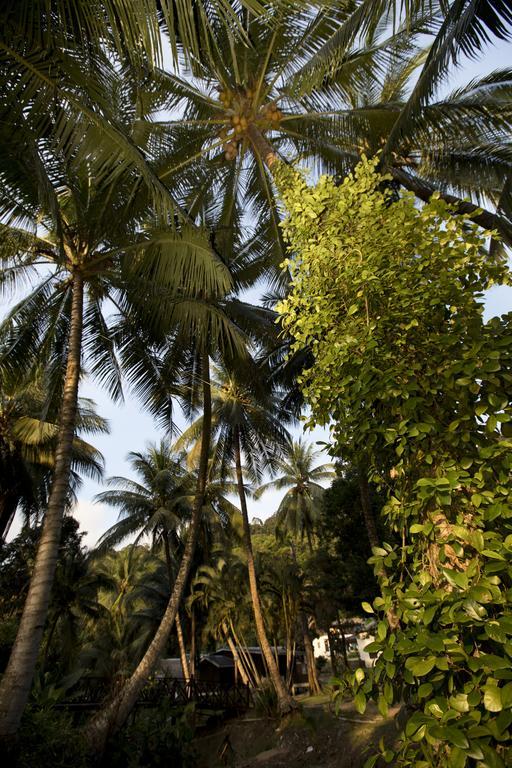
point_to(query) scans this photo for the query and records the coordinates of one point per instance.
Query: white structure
(359, 639)
(321, 648)
(363, 639)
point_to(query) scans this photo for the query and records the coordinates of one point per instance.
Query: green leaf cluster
(388, 298)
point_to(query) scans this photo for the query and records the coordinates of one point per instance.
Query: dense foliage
(389, 299)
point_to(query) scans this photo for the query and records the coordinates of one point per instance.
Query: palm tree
(305, 87)
(236, 98)
(133, 590)
(298, 511)
(59, 54)
(221, 590)
(28, 431)
(90, 244)
(155, 506)
(245, 421)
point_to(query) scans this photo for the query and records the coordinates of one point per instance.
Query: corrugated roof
(218, 660)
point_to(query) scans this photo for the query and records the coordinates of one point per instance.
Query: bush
(265, 700)
(155, 737)
(47, 739)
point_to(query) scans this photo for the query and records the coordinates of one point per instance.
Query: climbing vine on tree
(389, 299)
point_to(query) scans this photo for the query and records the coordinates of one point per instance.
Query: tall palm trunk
(314, 684)
(113, 715)
(286, 703)
(179, 630)
(181, 644)
(17, 680)
(313, 681)
(193, 642)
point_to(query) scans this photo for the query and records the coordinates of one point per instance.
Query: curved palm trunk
(114, 714)
(262, 146)
(17, 680)
(179, 630)
(479, 215)
(286, 703)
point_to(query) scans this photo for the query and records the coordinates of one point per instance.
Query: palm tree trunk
(17, 680)
(285, 701)
(335, 666)
(193, 648)
(183, 650)
(479, 215)
(179, 631)
(236, 658)
(343, 646)
(113, 715)
(313, 681)
(314, 684)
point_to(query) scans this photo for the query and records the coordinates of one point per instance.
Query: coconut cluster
(240, 113)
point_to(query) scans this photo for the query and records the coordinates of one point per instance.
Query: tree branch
(483, 218)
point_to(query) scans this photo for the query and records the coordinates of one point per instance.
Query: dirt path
(314, 739)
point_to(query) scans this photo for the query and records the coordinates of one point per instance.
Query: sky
(131, 428)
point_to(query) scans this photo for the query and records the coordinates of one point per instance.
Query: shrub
(47, 739)
(154, 737)
(265, 700)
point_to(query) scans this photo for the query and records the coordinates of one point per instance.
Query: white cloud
(94, 519)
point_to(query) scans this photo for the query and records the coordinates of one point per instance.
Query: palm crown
(156, 505)
(285, 95)
(298, 511)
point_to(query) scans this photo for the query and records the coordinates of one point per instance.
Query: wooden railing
(90, 693)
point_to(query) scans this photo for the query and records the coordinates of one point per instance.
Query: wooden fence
(90, 693)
